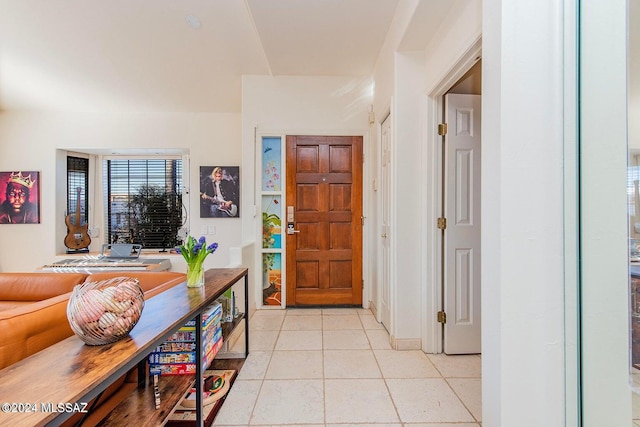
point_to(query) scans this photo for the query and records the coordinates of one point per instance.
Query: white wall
(28, 141)
(407, 221)
(399, 75)
(275, 106)
(522, 214)
(456, 34)
(384, 74)
(403, 80)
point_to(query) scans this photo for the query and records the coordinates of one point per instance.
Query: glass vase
(195, 275)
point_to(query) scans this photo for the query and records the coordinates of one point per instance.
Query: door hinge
(442, 317)
(442, 129)
(442, 223)
(362, 283)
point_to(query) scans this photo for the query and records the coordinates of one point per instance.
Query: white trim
(390, 112)
(405, 343)
(571, 220)
(431, 203)
(387, 114)
(468, 58)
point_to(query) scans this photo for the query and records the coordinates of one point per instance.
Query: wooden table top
(71, 371)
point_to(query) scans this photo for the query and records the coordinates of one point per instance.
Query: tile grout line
(255, 403)
(382, 376)
(446, 379)
(324, 379)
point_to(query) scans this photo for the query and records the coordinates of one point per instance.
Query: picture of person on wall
(219, 191)
(21, 204)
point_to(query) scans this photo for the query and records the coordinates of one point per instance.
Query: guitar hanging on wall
(77, 233)
(230, 210)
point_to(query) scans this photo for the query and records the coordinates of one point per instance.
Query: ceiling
(182, 56)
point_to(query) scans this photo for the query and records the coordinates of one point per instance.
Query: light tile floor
(335, 368)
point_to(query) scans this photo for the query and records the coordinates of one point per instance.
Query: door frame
(431, 269)
(387, 114)
(367, 151)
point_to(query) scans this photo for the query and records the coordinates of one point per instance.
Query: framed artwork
(271, 278)
(271, 164)
(20, 192)
(219, 191)
(271, 223)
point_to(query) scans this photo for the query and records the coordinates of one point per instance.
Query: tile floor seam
(435, 366)
(384, 379)
(324, 379)
(460, 399)
(255, 403)
(393, 402)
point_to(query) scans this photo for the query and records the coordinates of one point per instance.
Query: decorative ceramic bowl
(106, 311)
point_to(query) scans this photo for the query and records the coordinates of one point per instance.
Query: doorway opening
(439, 270)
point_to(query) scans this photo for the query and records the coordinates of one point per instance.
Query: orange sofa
(33, 316)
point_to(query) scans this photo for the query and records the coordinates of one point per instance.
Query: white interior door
(462, 233)
(385, 235)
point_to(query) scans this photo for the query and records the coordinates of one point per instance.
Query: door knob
(383, 235)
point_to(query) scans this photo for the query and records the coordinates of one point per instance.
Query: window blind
(77, 181)
(143, 199)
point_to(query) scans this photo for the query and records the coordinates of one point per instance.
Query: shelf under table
(139, 408)
(71, 371)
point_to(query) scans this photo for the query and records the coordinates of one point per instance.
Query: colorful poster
(271, 223)
(271, 164)
(21, 197)
(219, 191)
(271, 279)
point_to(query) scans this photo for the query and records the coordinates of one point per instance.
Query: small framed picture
(20, 192)
(219, 191)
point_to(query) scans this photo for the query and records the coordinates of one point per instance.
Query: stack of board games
(177, 355)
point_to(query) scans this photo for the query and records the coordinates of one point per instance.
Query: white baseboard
(406, 343)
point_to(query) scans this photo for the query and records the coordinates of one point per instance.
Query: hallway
(335, 367)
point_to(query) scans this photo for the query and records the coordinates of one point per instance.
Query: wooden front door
(324, 220)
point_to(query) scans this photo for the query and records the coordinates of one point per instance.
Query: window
(143, 200)
(77, 186)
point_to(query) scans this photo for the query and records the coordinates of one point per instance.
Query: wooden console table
(71, 371)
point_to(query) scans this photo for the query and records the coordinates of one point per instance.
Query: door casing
(384, 234)
(431, 268)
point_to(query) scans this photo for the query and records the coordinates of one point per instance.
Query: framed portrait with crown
(20, 197)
